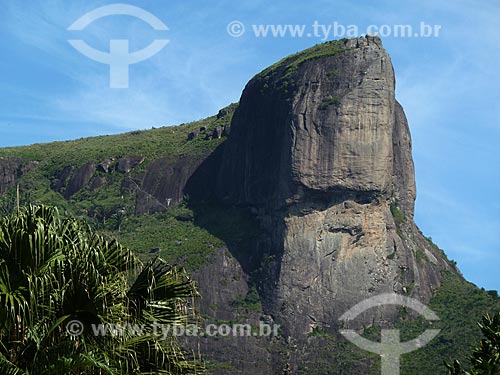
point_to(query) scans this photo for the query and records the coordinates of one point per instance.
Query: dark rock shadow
(236, 226)
(251, 235)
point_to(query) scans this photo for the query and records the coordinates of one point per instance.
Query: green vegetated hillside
(190, 231)
(173, 234)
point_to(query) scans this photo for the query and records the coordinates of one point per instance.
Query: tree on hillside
(485, 358)
(59, 281)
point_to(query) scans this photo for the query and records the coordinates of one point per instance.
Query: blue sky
(448, 86)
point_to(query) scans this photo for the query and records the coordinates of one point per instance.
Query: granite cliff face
(326, 122)
(320, 152)
(11, 169)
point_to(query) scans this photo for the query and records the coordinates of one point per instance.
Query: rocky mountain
(323, 159)
(289, 208)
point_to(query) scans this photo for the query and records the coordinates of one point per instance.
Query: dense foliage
(110, 209)
(486, 357)
(59, 281)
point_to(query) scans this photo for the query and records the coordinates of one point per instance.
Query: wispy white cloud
(174, 86)
(466, 230)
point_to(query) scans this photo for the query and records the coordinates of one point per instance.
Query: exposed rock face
(163, 184)
(160, 187)
(105, 166)
(217, 133)
(126, 164)
(70, 180)
(334, 134)
(221, 113)
(79, 179)
(223, 282)
(320, 151)
(61, 178)
(403, 169)
(97, 183)
(10, 171)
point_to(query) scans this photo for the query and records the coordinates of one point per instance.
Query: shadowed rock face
(127, 163)
(163, 183)
(403, 171)
(11, 169)
(320, 151)
(79, 179)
